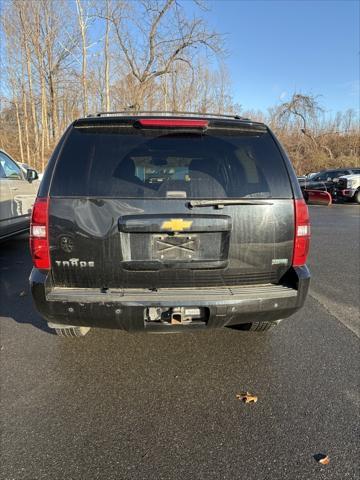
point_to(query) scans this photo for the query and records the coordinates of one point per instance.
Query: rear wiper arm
(222, 203)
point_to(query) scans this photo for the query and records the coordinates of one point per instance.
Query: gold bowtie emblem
(176, 225)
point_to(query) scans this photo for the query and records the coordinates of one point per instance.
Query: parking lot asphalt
(119, 406)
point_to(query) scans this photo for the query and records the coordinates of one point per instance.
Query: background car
(348, 187)
(302, 179)
(326, 180)
(17, 195)
(311, 175)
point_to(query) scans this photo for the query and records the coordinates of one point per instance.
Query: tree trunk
(83, 76)
(19, 131)
(30, 82)
(53, 109)
(44, 121)
(138, 104)
(26, 126)
(32, 101)
(107, 64)
(82, 27)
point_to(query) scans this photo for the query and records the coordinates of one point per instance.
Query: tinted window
(321, 178)
(127, 162)
(338, 174)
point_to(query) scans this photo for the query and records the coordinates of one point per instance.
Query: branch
(152, 34)
(131, 61)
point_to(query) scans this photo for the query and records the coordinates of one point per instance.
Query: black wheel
(357, 197)
(72, 331)
(261, 326)
(255, 326)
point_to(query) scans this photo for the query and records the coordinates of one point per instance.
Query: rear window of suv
(125, 162)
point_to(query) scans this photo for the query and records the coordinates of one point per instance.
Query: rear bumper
(346, 193)
(124, 309)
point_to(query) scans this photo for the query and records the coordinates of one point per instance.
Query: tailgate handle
(174, 222)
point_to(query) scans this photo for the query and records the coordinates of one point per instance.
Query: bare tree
(161, 38)
(85, 19)
(306, 108)
(303, 107)
(25, 16)
(148, 54)
(107, 56)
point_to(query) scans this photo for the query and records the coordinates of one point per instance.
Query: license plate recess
(176, 247)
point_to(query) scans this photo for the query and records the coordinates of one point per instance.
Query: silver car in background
(18, 189)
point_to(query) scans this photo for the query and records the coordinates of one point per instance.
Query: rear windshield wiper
(222, 203)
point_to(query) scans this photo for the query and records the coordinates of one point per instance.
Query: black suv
(173, 222)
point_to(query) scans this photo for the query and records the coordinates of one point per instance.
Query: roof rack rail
(130, 113)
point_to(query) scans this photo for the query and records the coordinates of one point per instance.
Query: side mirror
(31, 175)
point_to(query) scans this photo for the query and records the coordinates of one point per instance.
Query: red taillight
(172, 123)
(302, 233)
(39, 239)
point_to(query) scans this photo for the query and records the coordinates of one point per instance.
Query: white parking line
(348, 315)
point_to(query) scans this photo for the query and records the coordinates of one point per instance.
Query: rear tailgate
(163, 207)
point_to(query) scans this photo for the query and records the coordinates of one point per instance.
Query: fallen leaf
(322, 458)
(22, 293)
(325, 460)
(247, 397)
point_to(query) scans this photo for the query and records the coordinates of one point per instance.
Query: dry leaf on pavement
(325, 460)
(247, 397)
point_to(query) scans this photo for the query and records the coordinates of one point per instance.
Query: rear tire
(357, 197)
(72, 331)
(262, 326)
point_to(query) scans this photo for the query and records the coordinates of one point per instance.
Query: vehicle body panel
(6, 207)
(258, 246)
(125, 309)
(17, 198)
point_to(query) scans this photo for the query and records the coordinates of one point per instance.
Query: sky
(278, 46)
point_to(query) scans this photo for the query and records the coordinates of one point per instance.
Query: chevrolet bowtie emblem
(176, 225)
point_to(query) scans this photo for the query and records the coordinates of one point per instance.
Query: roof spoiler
(156, 113)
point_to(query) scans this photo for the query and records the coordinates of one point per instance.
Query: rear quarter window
(125, 162)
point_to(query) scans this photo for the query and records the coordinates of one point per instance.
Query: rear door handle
(14, 188)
